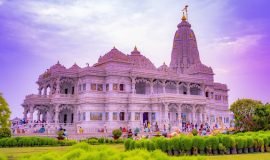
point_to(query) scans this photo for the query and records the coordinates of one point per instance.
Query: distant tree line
(251, 115)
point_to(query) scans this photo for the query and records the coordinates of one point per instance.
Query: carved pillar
(180, 115)
(56, 115)
(163, 86)
(58, 86)
(166, 111)
(38, 116)
(31, 113)
(25, 113)
(39, 91)
(110, 116)
(193, 113)
(151, 87)
(133, 83)
(177, 87)
(188, 88)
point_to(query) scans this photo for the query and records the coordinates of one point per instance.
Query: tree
(262, 117)
(244, 110)
(4, 113)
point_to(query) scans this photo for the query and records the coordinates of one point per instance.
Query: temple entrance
(66, 115)
(145, 117)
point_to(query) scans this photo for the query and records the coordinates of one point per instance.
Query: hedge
(230, 144)
(85, 151)
(33, 141)
(103, 140)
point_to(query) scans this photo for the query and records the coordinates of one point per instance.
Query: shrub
(5, 132)
(117, 133)
(201, 144)
(214, 141)
(194, 132)
(221, 148)
(187, 144)
(127, 144)
(227, 142)
(239, 142)
(250, 142)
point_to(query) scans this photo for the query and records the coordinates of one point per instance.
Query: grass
(16, 153)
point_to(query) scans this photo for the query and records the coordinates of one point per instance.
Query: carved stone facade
(127, 90)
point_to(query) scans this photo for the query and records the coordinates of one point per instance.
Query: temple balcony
(37, 99)
(167, 97)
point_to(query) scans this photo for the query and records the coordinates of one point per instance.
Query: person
(42, 129)
(170, 127)
(149, 126)
(164, 127)
(156, 126)
(81, 130)
(130, 133)
(65, 134)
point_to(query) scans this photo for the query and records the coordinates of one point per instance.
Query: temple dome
(140, 61)
(113, 55)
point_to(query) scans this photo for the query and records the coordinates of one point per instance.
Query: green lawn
(15, 153)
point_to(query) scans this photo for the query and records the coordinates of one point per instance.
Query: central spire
(185, 51)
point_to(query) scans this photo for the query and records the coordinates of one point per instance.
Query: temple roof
(113, 55)
(140, 61)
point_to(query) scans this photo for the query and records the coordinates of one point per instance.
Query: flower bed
(248, 142)
(33, 141)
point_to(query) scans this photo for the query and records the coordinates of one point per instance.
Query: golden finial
(185, 13)
(184, 17)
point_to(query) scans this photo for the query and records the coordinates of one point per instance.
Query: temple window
(66, 91)
(72, 90)
(115, 86)
(137, 116)
(122, 116)
(121, 87)
(114, 116)
(195, 89)
(84, 86)
(79, 116)
(100, 87)
(93, 86)
(107, 87)
(140, 88)
(97, 116)
(207, 94)
(107, 116)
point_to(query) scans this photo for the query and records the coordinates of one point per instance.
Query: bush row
(219, 144)
(103, 140)
(83, 151)
(33, 141)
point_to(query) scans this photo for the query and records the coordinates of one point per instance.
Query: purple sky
(233, 38)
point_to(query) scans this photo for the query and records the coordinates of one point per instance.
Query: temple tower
(185, 51)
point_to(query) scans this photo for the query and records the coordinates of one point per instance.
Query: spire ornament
(185, 13)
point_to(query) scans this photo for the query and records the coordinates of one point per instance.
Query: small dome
(74, 67)
(57, 67)
(199, 68)
(113, 55)
(140, 61)
(164, 68)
